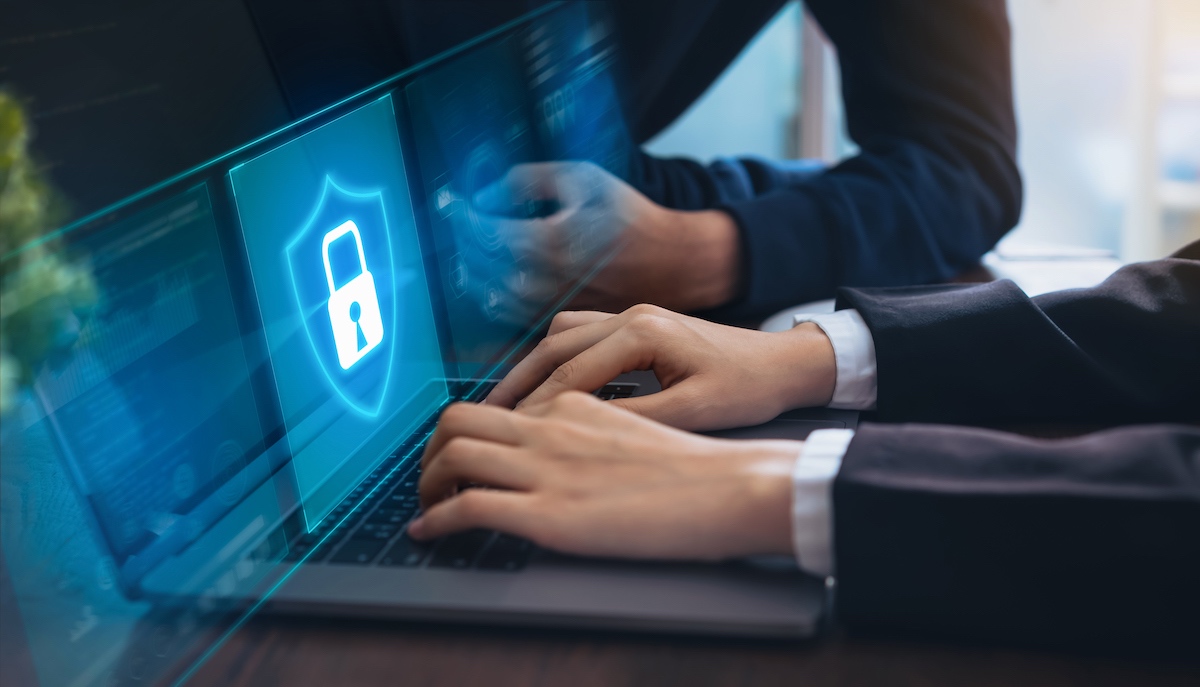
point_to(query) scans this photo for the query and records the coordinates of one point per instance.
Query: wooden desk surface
(300, 652)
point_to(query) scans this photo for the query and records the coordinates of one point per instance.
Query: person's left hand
(580, 476)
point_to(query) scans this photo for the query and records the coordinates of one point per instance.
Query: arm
(1124, 351)
(966, 532)
(927, 88)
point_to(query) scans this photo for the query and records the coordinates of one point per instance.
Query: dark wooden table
(298, 652)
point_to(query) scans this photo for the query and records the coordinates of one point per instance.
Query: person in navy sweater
(928, 98)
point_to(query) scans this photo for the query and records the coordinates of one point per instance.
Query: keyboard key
(611, 391)
(373, 530)
(391, 515)
(400, 500)
(506, 553)
(358, 552)
(406, 552)
(460, 550)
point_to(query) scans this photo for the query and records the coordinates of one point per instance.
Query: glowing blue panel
(345, 303)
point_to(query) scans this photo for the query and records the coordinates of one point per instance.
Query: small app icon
(457, 273)
(444, 200)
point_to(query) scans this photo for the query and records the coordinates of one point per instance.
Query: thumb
(676, 406)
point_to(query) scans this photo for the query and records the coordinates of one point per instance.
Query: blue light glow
(367, 409)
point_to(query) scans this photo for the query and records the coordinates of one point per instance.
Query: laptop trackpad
(780, 428)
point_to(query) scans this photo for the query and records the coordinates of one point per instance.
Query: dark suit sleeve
(1089, 542)
(1125, 351)
(928, 96)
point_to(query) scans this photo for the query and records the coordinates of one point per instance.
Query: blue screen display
(342, 289)
(153, 405)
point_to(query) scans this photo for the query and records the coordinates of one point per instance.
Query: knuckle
(455, 415)
(571, 400)
(562, 320)
(454, 451)
(564, 372)
(470, 505)
(651, 326)
(644, 309)
(546, 347)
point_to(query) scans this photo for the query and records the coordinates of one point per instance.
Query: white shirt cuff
(854, 356)
(812, 499)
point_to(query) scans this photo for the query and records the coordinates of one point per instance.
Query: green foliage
(44, 293)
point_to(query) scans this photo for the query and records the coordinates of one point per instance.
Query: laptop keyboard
(374, 532)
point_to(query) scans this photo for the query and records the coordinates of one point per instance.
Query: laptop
(282, 327)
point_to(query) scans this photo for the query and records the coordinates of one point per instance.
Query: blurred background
(1108, 104)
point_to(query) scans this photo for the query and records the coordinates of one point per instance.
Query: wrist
(707, 248)
(807, 369)
(766, 477)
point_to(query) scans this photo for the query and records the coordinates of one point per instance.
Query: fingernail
(416, 526)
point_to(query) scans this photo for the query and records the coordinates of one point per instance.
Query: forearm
(708, 255)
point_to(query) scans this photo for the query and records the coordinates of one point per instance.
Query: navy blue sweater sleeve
(928, 96)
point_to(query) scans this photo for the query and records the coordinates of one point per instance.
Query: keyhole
(355, 313)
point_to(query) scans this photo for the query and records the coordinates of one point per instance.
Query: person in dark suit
(928, 97)
(929, 523)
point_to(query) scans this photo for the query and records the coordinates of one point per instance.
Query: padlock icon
(354, 307)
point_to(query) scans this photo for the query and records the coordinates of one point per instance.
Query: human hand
(713, 376)
(581, 476)
(681, 260)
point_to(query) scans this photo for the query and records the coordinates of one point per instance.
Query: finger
(675, 407)
(473, 421)
(532, 285)
(538, 180)
(596, 366)
(472, 461)
(570, 319)
(546, 241)
(508, 511)
(551, 353)
(520, 183)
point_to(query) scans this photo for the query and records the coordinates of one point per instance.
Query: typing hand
(713, 376)
(557, 218)
(581, 476)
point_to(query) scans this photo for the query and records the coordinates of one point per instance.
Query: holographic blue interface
(144, 453)
(271, 326)
(341, 285)
(543, 93)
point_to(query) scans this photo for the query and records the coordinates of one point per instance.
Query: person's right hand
(682, 260)
(713, 376)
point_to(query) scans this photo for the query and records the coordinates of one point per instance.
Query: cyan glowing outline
(281, 131)
(391, 345)
(287, 574)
